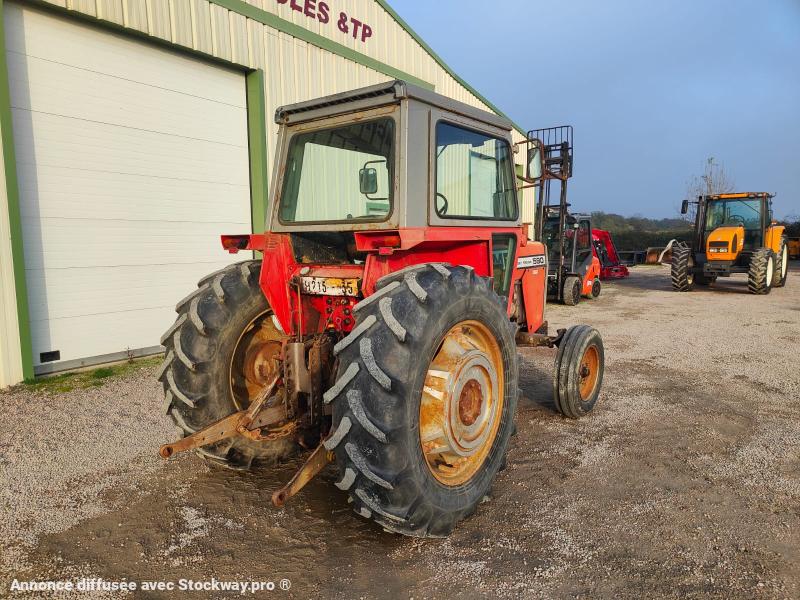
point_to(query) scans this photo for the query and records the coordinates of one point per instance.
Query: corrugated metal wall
(296, 70)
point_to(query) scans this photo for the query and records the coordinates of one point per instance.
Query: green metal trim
(257, 142)
(274, 21)
(385, 5)
(14, 217)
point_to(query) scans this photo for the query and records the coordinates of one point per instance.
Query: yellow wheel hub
(253, 362)
(589, 371)
(462, 403)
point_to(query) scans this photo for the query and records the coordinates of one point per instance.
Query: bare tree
(714, 180)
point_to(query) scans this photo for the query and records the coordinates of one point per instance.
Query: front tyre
(761, 272)
(781, 265)
(573, 288)
(424, 400)
(681, 272)
(596, 287)
(578, 374)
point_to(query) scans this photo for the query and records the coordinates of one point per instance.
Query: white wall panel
(10, 358)
(131, 161)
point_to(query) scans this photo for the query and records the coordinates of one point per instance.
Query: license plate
(329, 286)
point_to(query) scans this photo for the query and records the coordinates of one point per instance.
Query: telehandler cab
(733, 233)
(381, 325)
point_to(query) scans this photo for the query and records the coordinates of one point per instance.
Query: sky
(652, 88)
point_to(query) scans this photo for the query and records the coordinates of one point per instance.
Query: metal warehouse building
(134, 132)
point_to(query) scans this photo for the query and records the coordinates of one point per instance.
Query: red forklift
(573, 269)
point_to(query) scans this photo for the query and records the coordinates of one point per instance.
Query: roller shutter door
(131, 160)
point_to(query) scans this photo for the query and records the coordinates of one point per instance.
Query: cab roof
(740, 195)
(391, 92)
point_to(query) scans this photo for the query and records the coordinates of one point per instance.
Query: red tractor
(381, 326)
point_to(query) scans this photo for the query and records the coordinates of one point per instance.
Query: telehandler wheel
(596, 287)
(572, 290)
(781, 265)
(682, 275)
(424, 400)
(219, 356)
(578, 373)
(762, 271)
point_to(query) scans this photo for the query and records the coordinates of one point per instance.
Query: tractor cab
(371, 181)
(734, 233)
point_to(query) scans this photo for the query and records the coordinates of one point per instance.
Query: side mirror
(684, 207)
(535, 168)
(368, 181)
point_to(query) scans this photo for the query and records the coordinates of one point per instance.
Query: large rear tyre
(572, 290)
(781, 265)
(424, 399)
(218, 357)
(762, 271)
(681, 272)
(578, 374)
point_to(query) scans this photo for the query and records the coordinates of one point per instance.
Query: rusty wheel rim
(589, 370)
(252, 364)
(462, 403)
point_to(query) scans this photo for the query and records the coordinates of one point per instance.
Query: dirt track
(685, 481)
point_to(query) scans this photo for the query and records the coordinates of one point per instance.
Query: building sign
(321, 11)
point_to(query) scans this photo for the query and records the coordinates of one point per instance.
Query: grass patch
(67, 382)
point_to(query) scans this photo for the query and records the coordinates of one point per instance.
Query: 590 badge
(529, 262)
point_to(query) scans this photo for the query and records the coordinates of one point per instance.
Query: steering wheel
(739, 218)
(443, 210)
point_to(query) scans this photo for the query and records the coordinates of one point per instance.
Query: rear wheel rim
(462, 403)
(252, 363)
(784, 263)
(589, 371)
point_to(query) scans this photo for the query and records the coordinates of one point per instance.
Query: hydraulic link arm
(248, 423)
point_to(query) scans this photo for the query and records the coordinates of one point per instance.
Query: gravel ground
(685, 481)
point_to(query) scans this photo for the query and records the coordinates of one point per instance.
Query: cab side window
(474, 175)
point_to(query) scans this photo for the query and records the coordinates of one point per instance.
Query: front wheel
(596, 287)
(681, 271)
(578, 373)
(424, 399)
(781, 265)
(761, 272)
(572, 290)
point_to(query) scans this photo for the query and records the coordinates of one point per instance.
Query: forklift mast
(557, 147)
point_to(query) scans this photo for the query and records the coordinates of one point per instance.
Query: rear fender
(247, 241)
(276, 270)
(772, 239)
